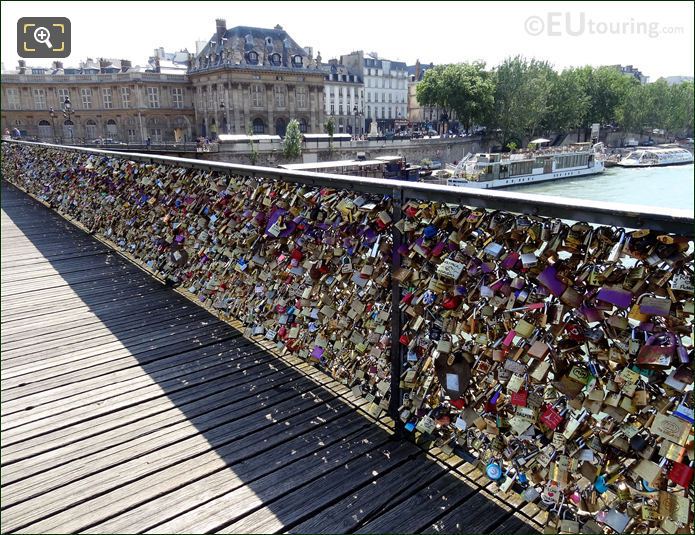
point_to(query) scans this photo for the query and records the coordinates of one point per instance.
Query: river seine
(663, 187)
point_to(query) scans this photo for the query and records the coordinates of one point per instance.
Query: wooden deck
(127, 408)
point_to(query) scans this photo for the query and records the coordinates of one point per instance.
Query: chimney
(22, 66)
(57, 65)
(221, 27)
(125, 65)
(156, 65)
(103, 64)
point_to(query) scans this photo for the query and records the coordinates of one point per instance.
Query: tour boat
(657, 156)
(493, 170)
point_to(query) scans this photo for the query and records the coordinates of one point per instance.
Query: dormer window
(275, 59)
(297, 60)
(252, 57)
(269, 41)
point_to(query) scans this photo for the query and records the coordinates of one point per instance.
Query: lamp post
(223, 121)
(67, 113)
(356, 112)
(53, 122)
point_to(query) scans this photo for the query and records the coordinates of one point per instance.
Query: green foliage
(465, 89)
(522, 94)
(292, 146)
(512, 146)
(525, 97)
(330, 130)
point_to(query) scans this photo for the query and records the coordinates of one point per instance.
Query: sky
(656, 37)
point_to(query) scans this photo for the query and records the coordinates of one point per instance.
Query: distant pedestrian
(148, 143)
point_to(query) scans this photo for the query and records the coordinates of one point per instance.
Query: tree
(607, 89)
(253, 155)
(522, 91)
(330, 130)
(568, 101)
(292, 147)
(465, 89)
(680, 109)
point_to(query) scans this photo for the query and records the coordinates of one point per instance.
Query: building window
(86, 94)
(155, 135)
(12, 98)
(297, 60)
(258, 126)
(275, 59)
(153, 97)
(132, 135)
(107, 95)
(301, 97)
(125, 97)
(383, 112)
(340, 109)
(62, 93)
(279, 96)
(90, 130)
(369, 112)
(302, 125)
(39, 98)
(332, 108)
(177, 97)
(257, 96)
(252, 58)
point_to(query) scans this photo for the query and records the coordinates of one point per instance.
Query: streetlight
(224, 118)
(53, 122)
(356, 112)
(67, 113)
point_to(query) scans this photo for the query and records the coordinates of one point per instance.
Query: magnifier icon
(42, 35)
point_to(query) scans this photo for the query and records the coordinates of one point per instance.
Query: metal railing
(407, 215)
(630, 216)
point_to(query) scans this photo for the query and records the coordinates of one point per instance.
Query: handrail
(600, 212)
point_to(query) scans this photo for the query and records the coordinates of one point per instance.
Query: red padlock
(520, 398)
(681, 474)
(551, 417)
(404, 339)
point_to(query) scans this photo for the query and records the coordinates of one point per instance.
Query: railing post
(396, 317)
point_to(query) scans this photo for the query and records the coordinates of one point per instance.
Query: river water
(664, 187)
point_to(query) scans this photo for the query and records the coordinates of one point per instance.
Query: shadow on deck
(127, 408)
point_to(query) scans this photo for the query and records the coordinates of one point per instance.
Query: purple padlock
(548, 278)
(615, 296)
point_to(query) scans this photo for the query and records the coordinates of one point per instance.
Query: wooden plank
(423, 508)
(211, 400)
(186, 399)
(197, 482)
(363, 504)
(26, 516)
(182, 438)
(91, 391)
(332, 486)
(216, 513)
(118, 371)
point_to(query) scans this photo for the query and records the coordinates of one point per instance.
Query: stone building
(343, 97)
(108, 99)
(386, 89)
(258, 79)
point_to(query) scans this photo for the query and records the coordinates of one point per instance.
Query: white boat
(657, 156)
(493, 170)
